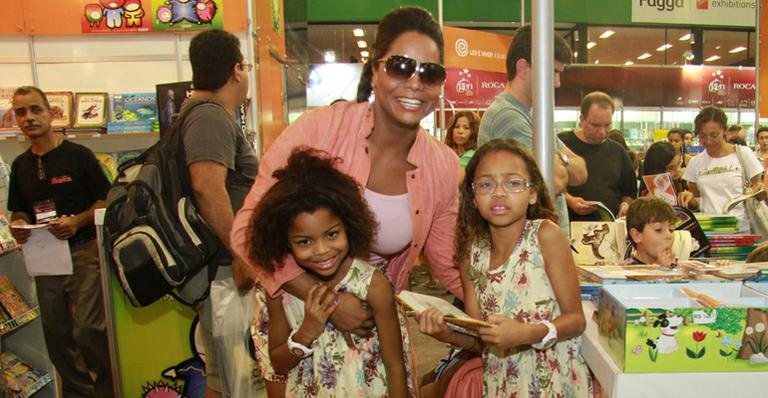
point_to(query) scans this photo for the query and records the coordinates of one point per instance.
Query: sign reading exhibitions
(696, 12)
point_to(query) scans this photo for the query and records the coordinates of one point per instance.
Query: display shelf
(34, 387)
(15, 323)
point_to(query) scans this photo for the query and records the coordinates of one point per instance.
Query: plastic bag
(232, 314)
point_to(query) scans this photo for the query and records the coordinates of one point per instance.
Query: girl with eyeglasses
(717, 174)
(408, 179)
(518, 274)
(462, 135)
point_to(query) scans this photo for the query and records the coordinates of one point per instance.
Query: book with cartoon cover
(11, 299)
(598, 242)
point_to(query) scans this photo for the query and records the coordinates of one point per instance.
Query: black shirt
(69, 175)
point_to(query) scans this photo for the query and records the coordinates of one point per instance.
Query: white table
(616, 383)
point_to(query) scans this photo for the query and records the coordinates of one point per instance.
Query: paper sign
(44, 254)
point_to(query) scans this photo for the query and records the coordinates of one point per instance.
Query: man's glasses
(404, 68)
(485, 186)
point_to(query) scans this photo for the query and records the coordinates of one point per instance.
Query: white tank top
(393, 212)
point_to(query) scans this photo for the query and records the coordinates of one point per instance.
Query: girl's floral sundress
(520, 289)
(334, 370)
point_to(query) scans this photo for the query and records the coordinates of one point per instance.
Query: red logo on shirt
(61, 179)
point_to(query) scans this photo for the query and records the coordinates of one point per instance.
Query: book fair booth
(114, 85)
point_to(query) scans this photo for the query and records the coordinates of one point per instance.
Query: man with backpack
(60, 183)
(222, 166)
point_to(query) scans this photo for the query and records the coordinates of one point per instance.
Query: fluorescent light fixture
(591, 44)
(358, 32)
(362, 44)
(664, 47)
(608, 33)
(597, 61)
(644, 56)
(575, 54)
(685, 37)
(329, 57)
(737, 50)
(629, 63)
(717, 47)
(364, 53)
(712, 58)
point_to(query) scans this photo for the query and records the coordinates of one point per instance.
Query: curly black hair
(308, 182)
(471, 225)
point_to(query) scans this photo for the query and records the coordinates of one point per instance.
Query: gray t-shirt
(507, 117)
(211, 133)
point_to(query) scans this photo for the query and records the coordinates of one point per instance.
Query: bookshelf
(23, 335)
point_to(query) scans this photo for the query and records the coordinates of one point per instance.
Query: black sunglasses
(404, 68)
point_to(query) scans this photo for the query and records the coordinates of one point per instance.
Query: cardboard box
(657, 328)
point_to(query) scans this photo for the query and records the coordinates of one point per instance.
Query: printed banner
(473, 49)
(682, 87)
(695, 12)
(472, 88)
(132, 16)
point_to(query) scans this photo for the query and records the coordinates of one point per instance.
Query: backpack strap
(175, 142)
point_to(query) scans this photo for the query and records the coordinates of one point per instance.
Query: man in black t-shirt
(60, 182)
(611, 174)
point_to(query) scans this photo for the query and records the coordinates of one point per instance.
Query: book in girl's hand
(10, 299)
(420, 302)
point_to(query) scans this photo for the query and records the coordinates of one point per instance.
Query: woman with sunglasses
(717, 174)
(409, 179)
(462, 135)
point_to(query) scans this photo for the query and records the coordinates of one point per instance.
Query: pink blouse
(342, 131)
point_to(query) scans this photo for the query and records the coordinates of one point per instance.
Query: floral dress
(334, 370)
(520, 289)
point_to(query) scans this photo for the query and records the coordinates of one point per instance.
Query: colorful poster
(168, 367)
(183, 15)
(699, 12)
(115, 16)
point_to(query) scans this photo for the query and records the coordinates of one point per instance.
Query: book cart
(22, 336)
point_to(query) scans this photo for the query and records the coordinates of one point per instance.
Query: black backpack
(154, 238)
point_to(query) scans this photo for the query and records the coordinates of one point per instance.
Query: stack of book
(21, 380)
(14, 311)
(722, 233)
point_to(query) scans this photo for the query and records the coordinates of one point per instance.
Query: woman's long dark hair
(398, 21)
(471, 225)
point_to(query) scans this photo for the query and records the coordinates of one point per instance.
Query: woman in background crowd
(663, 157)
(462, 135)
(717, 174)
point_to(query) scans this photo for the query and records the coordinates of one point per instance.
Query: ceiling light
(608, 33)
(717, 47)
(364, 53)
(575, 54)
(590, 45)
(358, 32)
(644, 56)
(629, 63)
(664, 47)
(597, 61)
(362, 44)
(712, 58)
(329, 57)
(685, 37)
(737, 49)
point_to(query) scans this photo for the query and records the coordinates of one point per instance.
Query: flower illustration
(698, 336)
(726, 341)
(637, 350)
